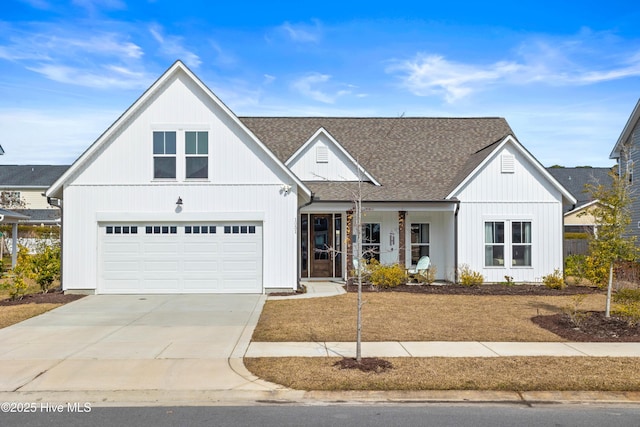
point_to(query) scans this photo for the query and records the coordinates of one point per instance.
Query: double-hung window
(164, 154)
(499, 245)
(197, 155)
(494, 244)
(419, 242)
(521, 243)
(371, 241)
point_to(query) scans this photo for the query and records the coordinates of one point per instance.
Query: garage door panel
(194, 267)
(160, 266)
(179, 262)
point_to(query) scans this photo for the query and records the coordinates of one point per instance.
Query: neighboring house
(577, 217)
(22, 188)
(627, 153)
(180, 195)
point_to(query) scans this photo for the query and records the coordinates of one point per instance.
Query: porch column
(402, 255)
(349, 245)
(14, 242)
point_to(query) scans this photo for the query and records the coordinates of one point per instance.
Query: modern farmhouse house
(180, 195)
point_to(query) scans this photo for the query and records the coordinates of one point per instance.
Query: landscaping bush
(576, 315)
(44, 266)
(554, 280)
(385, 276)
(574, 266)
(576, 235)
(468, 277)
(596, 270)
(627, 305)
(17, 286)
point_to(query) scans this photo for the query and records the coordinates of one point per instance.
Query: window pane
(516, 232)
(158, 143)
(212, 229)
(164, 167)
(190, 143)
(521, 255)
(197, 167)
(417, 252)
(494, 255)
(170, 143)
(203, 143)
(527, 232)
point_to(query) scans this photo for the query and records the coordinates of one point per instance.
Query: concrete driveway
(134, 342)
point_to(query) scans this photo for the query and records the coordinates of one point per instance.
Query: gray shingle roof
(574, 180)
(416, 159)
(30, 175)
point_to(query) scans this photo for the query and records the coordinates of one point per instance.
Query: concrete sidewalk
(442, 349)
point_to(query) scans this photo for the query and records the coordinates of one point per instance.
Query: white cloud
(316, 87)
(584, 59)
(172, 46)
(303, 33)
(50, 136)
(109, 76)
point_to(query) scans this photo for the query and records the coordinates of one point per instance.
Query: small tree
(612, 217)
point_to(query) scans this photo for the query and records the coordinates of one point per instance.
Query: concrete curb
(127, 398)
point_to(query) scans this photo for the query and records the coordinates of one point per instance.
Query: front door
(321, 258)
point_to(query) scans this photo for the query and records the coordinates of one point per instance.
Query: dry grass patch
(414, 317)
(438, 373)
(17, 313)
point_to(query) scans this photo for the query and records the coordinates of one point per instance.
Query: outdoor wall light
(179, 202)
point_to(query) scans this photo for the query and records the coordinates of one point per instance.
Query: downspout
(57, 203)
(299, 234)
(455, 241)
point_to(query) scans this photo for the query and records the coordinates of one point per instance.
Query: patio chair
(421, 268)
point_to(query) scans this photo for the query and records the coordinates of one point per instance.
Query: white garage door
(180, 258)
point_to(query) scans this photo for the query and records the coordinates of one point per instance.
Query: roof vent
(508, 163)
(322, 154)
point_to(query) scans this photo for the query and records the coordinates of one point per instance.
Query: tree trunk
(607, 311)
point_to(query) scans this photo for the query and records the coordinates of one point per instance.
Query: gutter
(455, 241)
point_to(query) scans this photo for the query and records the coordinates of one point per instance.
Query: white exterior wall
(117, 183)
(524, 195)
(34, 199)
(441, 233)
(338, 167)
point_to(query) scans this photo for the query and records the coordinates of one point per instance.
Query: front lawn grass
(389, 316)
(12, 314)
(464, 373)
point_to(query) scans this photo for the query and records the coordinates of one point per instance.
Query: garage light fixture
(179, 202)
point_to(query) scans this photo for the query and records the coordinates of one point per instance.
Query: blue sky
(565, 75)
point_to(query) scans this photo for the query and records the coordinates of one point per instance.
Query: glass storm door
(321, 236)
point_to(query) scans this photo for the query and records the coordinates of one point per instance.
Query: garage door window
(121, 229)
(200, 229)
(239, 229)
(161, 229)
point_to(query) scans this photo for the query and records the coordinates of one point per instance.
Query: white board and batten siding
(505, 192)
(116, 186)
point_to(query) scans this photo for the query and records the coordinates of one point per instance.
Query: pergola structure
(8, 217)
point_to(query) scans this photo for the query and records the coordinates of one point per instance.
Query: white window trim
(508, 244)
(411, 244)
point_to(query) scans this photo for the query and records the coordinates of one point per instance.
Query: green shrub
(596, 270)
(44, 266)
(17, 287)
(554, 280)
(385, 276)
(574, 266)
(627, 305)
(468, 277)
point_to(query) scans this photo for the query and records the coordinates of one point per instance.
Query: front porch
(391, 234)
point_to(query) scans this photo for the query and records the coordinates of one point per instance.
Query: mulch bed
(366, 364)
(592, 328)
(55, 297)
(489, 289)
